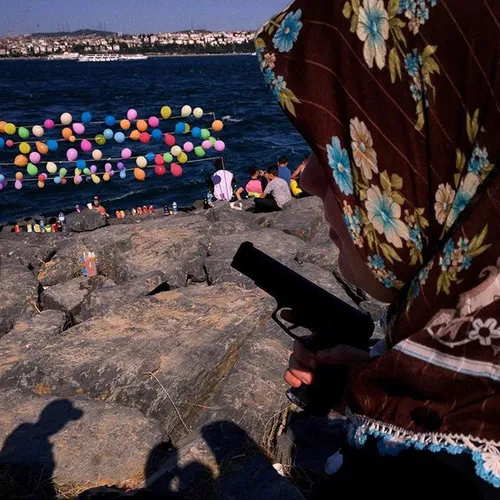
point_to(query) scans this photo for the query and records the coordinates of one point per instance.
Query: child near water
(253, 187)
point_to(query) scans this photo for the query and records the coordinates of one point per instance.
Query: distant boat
(112, 58)
(67, 56)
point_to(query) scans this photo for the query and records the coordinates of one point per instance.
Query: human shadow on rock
(27, 461)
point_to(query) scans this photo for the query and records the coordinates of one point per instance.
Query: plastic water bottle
(62, 221)
(174, 207)
(210, 198)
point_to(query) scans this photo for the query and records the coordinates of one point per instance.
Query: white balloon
(51, 167)
(176, 150)
(141, 162)
(38, 131)
(97, 154)
(198, 112)
(186, 111)
(66, 118)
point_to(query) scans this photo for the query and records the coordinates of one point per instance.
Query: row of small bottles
(41, 227)
(170, 211)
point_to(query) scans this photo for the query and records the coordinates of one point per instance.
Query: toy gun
(329, 322)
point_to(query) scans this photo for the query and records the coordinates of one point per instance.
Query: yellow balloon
(166, 112)
(10, 129)
(141, 162)
(106, 177)
(95, 178)
(78, 171)
(182, 158)
(187, 128)
(51, 167)
(24, 148)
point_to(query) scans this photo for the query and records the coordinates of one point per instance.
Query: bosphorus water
(256, 131)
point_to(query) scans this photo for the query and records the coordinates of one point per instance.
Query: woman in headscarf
(399, 101)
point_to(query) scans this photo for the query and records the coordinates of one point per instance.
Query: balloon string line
(80, 139)
(100, 174)
(60, 125)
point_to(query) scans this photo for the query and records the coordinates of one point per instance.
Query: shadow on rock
(27, 459)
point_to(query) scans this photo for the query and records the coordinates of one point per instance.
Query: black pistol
(329, 320)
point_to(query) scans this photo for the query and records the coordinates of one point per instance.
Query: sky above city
(134, 16)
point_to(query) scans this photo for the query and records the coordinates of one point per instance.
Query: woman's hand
(303, 363)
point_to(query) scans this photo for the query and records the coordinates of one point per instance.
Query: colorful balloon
(35, 157)
(63, 172)
(135, 135)
(49, 124)
(52, 145)
(199, 152)
(57, 180)
(110, 120)
(168, 158)
(150, 157)
(182, 158)
(23, 132)
(97, 154)
(180, 128)
(220, 146)
(108, 167)
(144, 137)
(19, 176)
(156, 134)
(41, 184)
(196, 132)
(119, 137)
(37, 131)
(198, 113)
(100, 140)
(18, 185)
(176, 170)
(131, 114)
(153, 121)
(24, 148)
(78, 128)
(95, 179)
(205, 133)
(72, 154)
(166, 112)
(51, 167)
(32, 169)
(106, 177)
(141, 162)
(159, 160)
(20, 161)
(2, 127)
(86, 146)
(169, 139)
(212, 140)
(188, 147)
(2, 143)
(142, 126)
(42, 148)
(186, 111)
(120, 165)
(93, 169)
(86, 117)
(10, 128)
(206, 145)
(139, 174)
(66, 119)
(108, 134)
(66, 133)
(125, 124)
(123, 174)
(160, 170)
(217, 125)
(9, 143)
(176, 150)
(126, 153)
(81, 164)
(72, 139)
(78, 179)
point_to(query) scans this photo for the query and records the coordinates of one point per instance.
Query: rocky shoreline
(169, 354)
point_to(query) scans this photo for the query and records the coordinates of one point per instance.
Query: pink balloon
(126, 153)
(35, 157)
(93, 169)
(72, 154)
(160, 170)
(78, 128)
(108, 167)
(220, 146)
(2, 185)
(43, 176)
(78, 179)
(131, 114)
(86, 145)
(176, 170)
(18, 185)
(49, 124)
(188, 147)
(153, 122)
(206, 144)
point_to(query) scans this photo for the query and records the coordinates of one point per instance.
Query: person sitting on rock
(253, 187)
(96, 205)
(295, 185)
(283, 170)
(221, 182)
(276, 194)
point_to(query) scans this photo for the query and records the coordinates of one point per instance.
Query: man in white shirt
(276, 194)
(222, 181)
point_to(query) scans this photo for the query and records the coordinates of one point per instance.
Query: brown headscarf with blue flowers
(399, 99)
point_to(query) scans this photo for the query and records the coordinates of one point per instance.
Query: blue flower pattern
(338, 159)
(288, 33)
(377, 265)
(417, 11)
(479, 161)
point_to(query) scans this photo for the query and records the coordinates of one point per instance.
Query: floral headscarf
(399, 101)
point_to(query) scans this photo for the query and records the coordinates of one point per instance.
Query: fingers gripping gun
(330, 321)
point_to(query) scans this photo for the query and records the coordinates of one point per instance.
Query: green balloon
(205, 133)
(23, 132)
(32, 169)
(62, 172)
(100, 139)
(199, 152)
(86, 171)
(212, 140)
(168, 158)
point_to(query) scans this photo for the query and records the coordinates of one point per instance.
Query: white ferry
(111, 58)
(67, 56)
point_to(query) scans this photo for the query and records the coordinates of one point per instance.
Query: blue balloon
(110, 120)
(86, 117)
(108, 134)
(57, 180)
(81, 164)
(2, 177)
(196, 132)
(157, 134)
(150, 157)
(119, 137)
(180, 128)
(2, 143)
(123, 174)
(52, 145)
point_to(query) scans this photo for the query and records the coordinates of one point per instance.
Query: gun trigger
(282, 325)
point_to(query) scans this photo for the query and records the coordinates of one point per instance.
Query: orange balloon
(134, 135)
(20, 161)
(41, 184)
(139, 174)
(217, 126)
(142, 126)
(19, 176)
(2, 127)
(106, 177)
(66, 133)
(72, 138)
(42, 148)
(125, 124)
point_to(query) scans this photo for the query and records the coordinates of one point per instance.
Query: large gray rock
(304, 225)
(102, 300)
(87, 220)
(312, 203)
(320, 251)
(177, 246)
(73, 443)
(70, 295)
(165, 355)
(29, 336)
(27, 252)
(221, 462)
(275, 243)
(18, 292)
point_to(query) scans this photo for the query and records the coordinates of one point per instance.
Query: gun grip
(324, 393)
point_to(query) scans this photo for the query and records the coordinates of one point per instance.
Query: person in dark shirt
(283, 170)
